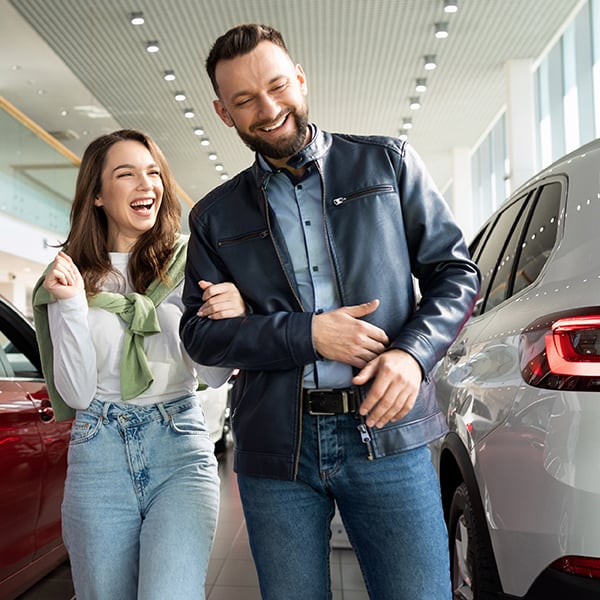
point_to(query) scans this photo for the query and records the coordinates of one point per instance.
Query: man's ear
(223, 113)
(301, 77)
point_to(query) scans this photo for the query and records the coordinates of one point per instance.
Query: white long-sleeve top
(87, 344)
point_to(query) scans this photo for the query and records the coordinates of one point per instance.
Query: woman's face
(131, 193)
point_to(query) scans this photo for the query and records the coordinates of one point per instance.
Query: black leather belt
(330, 401)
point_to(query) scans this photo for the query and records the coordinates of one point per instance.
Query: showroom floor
(231, 574)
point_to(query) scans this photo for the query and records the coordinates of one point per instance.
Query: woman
(141, 495)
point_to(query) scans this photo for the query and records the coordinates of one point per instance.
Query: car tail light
(563, 352)
(578, 565)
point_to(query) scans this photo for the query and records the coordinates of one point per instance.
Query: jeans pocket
(189, 422)
(85, 427)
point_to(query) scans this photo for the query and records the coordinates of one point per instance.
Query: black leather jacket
(385, 222)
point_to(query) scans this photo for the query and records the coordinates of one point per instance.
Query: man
(322, 235)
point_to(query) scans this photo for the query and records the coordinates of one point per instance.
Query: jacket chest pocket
(376, 190)
(243, 237)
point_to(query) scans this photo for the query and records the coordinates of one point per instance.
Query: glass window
(540, 237)
(499, 288)
(495, 247)
(17, 345)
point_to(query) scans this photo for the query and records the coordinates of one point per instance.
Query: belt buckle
(342, 393)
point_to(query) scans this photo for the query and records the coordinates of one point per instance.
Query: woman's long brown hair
(86, 242)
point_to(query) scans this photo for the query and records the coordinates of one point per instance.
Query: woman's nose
(145, 183)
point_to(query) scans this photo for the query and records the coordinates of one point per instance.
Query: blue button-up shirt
(298, 209)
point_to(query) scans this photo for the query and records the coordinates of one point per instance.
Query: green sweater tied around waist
(139, 313)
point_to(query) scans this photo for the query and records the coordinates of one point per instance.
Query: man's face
(263, 95)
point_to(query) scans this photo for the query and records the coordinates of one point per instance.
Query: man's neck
(282, 163)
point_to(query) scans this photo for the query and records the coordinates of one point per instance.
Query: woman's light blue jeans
(141, 501)
(391, 509)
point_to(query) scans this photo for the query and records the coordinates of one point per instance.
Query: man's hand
(398, 378)
(221, 301)
(63, 280)
(341, 335)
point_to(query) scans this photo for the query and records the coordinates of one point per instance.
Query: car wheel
(472, 561)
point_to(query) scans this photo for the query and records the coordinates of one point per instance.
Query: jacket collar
(315, 150)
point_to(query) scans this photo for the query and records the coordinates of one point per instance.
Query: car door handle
(46, 411)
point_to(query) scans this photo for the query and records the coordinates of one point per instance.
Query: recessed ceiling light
(450, 6)
(415, 103)
(152, 47)
(421, 85)
(430, 63)
(212, 156)
(407, 123)
(169, 75)
(441, 30)
(136, 18)
(179, 96)
(188, 113)
(198, 131)
(204, 142)
(224, 176)
(219, 167)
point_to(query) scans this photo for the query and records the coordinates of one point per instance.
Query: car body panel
(33, 458)
(533, 453)
(215, 403)
(33, 461)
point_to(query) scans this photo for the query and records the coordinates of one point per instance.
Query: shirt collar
(309, 153)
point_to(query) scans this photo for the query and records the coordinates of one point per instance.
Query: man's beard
(285, 147)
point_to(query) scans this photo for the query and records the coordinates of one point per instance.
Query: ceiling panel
(361, 58)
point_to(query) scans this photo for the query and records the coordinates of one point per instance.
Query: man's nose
(268, 107)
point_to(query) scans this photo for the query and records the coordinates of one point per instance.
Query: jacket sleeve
(278, 341)
(448, 280)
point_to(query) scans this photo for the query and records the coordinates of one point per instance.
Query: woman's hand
(221, 301)
(63, 279)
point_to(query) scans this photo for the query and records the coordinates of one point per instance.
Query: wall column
(520, 121)
(462, 186)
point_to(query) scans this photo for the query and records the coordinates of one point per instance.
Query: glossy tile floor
(231, 573)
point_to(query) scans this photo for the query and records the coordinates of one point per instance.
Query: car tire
(472, 564)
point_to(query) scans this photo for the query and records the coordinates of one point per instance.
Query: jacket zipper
(269, 232)
(362, 428)
(266, 201)
(326, 234)
(378, 188)
(242, 238)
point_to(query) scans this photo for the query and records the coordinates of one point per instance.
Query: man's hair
(240, 40)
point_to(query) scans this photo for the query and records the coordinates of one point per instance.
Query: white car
(216, 406)
(520, 466)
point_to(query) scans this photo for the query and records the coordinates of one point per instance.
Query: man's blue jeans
(391, 509)
(141, 501)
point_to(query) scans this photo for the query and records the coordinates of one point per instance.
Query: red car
(33, 461)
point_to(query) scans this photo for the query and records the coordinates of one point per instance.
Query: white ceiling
(361, 58)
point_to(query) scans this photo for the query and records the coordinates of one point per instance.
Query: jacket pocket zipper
(378, 188)
(243, 238)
